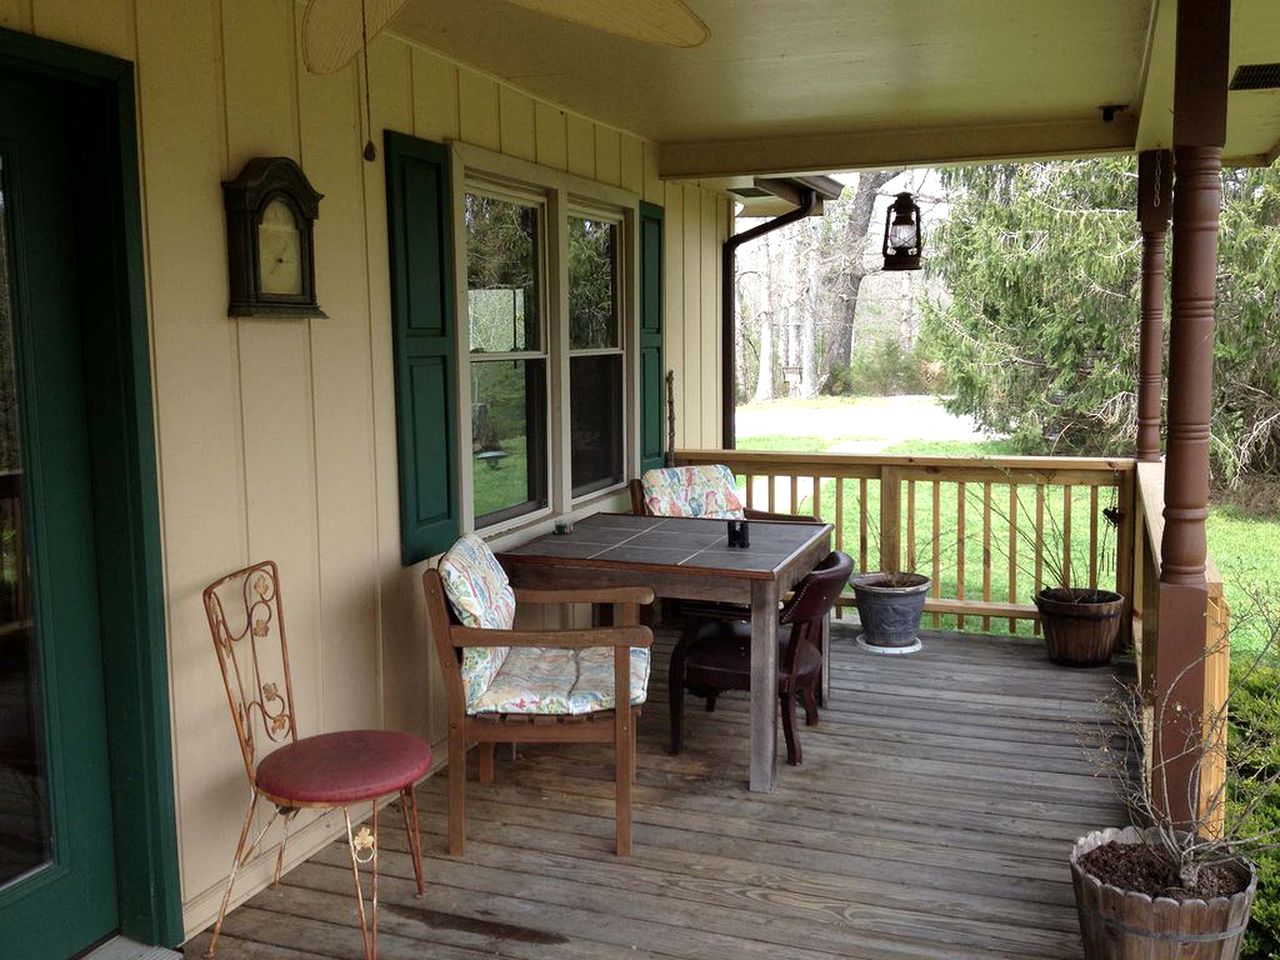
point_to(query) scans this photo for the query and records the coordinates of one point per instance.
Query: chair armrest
(576, 639)
(751, 514)
(640, 595)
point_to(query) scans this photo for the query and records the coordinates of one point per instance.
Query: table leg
(764, 684)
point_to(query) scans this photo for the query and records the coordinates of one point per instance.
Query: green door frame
(126, 495)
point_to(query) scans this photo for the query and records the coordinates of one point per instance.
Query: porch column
(1200, 111)
(1155, 186)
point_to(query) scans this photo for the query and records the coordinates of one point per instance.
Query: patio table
(689, 559)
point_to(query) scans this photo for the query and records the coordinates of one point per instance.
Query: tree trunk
(809, 313)
(764, 377)
(852, 268)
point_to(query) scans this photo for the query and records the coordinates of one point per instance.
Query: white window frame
(583, 210)
(495, 189)
(477, 170)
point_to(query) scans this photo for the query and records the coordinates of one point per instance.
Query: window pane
(595, 414)
(593, 284)
(508, 437)
(502, 275)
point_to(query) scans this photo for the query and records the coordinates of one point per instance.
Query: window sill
(589, 499)
(518, 530)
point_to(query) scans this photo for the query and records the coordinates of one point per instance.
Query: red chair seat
(339, 768)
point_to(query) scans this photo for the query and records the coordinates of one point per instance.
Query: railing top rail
(1108, 465)
(1150, 491)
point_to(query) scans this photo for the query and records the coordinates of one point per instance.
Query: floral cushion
(554, 680)
(707, 490)
(481, 596)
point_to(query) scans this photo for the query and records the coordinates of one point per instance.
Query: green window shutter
(651, 369)
(419, 219)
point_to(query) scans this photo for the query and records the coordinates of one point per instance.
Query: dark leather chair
(715, 656)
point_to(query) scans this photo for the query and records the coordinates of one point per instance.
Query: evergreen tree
(1038, 334)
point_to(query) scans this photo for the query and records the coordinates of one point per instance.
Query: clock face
(279, 251)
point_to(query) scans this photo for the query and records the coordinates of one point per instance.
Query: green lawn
(502, 483)
(1246, 549)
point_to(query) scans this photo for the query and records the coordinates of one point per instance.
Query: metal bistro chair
(330, 770)
(716, 656)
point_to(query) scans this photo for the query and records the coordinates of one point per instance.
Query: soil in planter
(897, 580)
(1079, 595)
(1142, 869)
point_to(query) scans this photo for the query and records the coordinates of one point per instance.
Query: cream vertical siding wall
(277, 439)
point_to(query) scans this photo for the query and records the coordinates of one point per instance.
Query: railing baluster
(1013, 551)
(1067, 574)
(839, 481)
(1093, 538)
(986, 551)
(773, 482)
(911, 525)
(839, 513)
(960, 550)
(817, 496)
(795, 494)
(1039, 578)
(862, 522)
(936, 590)
(751, 483)
(890, 519)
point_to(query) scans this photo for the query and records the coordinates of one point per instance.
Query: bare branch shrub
(1133, 748)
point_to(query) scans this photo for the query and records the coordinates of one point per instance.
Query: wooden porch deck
(932, 818)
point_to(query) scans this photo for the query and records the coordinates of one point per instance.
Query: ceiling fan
(335, 31)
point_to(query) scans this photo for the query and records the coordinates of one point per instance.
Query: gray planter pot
(1120, 924)
(890, 606)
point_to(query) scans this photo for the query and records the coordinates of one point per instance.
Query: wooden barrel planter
(1081, 627)
(1118, 924)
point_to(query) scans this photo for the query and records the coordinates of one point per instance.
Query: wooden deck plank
(932, 818)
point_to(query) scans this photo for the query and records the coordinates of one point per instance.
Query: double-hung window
(597, 375)
(507, 321)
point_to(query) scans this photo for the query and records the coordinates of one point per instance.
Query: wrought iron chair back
(246, 620)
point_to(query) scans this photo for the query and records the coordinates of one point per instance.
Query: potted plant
(1081, 623)
(890, 605)
(1173, 890)
(891, 602)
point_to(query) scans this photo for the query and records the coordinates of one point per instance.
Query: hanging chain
(1156, 181)
(370, 151)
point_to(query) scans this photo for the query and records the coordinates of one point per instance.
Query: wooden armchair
(547, 686)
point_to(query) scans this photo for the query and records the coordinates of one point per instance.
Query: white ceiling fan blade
(667, 22)
(333, 32)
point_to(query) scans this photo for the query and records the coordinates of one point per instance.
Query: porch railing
(1149, 513)
(988, 531)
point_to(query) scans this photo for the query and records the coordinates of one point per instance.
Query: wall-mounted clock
(271, 213)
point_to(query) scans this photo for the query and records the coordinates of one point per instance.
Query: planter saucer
(889, 651)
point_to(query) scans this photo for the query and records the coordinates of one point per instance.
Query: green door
(57, 860)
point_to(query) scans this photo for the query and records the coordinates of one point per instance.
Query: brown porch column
(1200, 113)
(1155, 187)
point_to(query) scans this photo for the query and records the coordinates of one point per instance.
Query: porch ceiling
(825, 85)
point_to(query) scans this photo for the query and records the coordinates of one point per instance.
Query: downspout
(728, 306)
